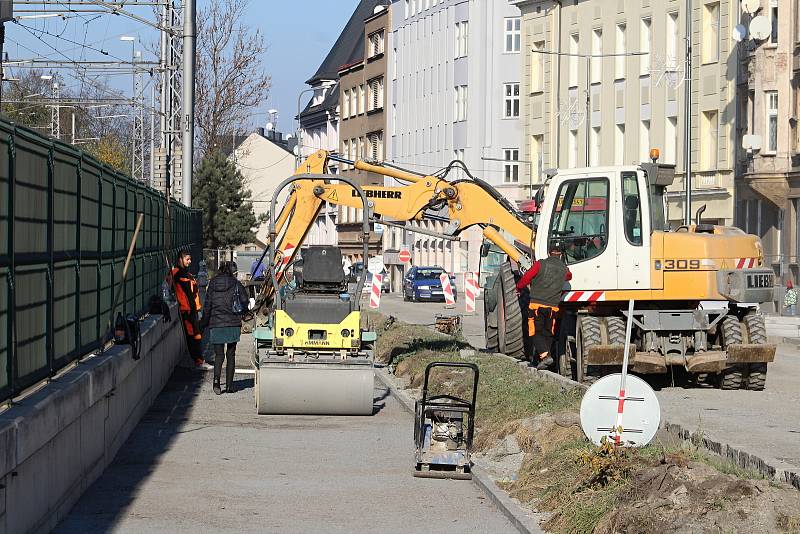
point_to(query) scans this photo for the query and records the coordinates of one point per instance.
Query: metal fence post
(78, 251)
(11, 297)
(50, 264)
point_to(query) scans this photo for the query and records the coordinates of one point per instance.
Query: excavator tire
(733, 376)
(615, 327)
(756, 330)
(492, 342)
(510, 336)
(587, 334)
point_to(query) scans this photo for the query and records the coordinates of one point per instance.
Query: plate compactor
(443, 428)
(311, 356)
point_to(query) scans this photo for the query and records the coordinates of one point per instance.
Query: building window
(573, 149)
(512, 34)
(414, 7)
(537, 156)
(709, 128)
(573, 59)
(353, 102)
(376, 42)
(511, 165)
(644, 46)
(361, 99)
(360, 150)
(773, 18)
(644, 140)
(594, 146)
(711, 32)
(375, 141)
(597, 50)
(462, 34)
(619, 144)
(672, 42)
(346, 104)
(670, 139)
(537, 67)
(772, 120)
(620, 49)
(511, 91)
(394, 64)
(460, 111)
(458, 154)
(375, 94)
(394, 119)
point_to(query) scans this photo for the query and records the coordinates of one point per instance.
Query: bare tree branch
(230, 72)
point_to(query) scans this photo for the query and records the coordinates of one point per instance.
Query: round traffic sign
(404, 256)
(639, 411)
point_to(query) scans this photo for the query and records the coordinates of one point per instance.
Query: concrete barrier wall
(56, 442)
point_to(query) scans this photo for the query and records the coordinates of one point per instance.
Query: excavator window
(580, 219)
(631, 208)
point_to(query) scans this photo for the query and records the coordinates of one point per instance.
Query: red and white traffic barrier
(471, 290)
(375, 291)
(287, 252)
(745, 263)
(447, 289)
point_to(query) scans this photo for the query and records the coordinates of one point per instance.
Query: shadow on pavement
(106, 501)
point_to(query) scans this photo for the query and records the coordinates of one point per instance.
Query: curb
(510, 509)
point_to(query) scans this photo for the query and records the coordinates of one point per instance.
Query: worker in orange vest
(188, 294)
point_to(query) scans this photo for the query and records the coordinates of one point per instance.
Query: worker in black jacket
(546, 278)
(226, 301)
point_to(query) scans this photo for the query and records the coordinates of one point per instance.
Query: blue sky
(298, 35)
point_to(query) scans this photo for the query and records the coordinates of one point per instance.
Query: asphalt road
(202, 463)
(764, 423)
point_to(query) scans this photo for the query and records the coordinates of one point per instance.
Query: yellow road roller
(311, 355)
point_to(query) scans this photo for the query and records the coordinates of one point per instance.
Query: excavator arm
(468, 203)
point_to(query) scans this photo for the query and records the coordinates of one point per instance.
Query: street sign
(378, 227)
(404, 256)
(376, 265)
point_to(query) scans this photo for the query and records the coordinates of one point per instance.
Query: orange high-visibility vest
(186, 290)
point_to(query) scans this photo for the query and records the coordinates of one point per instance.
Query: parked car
(355, 272)
(423, 283)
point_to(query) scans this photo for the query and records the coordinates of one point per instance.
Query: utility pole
(687, 118)
(152, 135)
(55, 114)
(189, 25)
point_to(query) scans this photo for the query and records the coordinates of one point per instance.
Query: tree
(229, 74)
(228, 216)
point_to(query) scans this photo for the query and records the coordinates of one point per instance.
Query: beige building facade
(362, 123)
(603, 83)
(769, 107)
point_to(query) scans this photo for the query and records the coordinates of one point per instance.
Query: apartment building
(769, 107)
(362, 123)
(603, 83)
(319, 119)
(454, 94)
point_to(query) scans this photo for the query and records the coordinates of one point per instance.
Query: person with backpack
(226, 302)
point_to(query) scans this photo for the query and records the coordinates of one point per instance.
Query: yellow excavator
(611, 225)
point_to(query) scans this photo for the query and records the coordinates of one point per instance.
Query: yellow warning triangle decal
(333, 196)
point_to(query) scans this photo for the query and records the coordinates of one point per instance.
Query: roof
(281, 143)
(350, 45)
(330, 102)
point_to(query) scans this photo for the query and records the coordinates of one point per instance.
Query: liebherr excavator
(610, 223)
